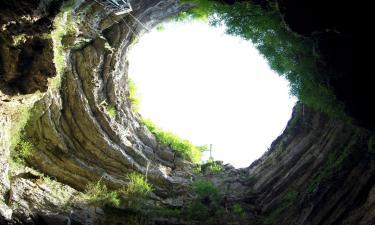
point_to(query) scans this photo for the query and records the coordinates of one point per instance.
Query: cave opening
(210, 88)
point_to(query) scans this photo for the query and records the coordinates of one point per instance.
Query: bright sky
(210, 88)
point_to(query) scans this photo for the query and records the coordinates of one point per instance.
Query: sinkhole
(210, 88)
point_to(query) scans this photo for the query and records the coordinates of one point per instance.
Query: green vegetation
(131, 197)
(291, 56)
(19, 39)
(183, 148)
(133, 96)
(167, 213)
(111, 110)
(212, 166)
(24, 149)
(137, 191)
(238, 211)
(63, 37)
(98, 195)
(205, 208)
(334, 162)
(160, 27)
(19, 120)
(289, 200)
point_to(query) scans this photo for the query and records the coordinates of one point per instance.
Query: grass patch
(111, 110)
(182, 147)
(133, 96)
(19, 120)
(137, 191)
(98, 195)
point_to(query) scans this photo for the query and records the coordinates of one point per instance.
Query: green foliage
(133, 96)
(289, 200)
(205, 208)
(160, 28)
(212, 166)
(205, 189)
(19, 120)
(183, 148)
(137, 190)
(334, 163)
(138, 186)
(25, 149)
(291, 56)
(112, 112)
(19, 39)
(167, 213)
(63, 37)
(291, 197)
(97, 194)
(238, 211)
(21, 152)
(201, 11)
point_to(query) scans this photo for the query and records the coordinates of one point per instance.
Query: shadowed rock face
(319, 171)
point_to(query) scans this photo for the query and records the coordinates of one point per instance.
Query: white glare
(210, 88)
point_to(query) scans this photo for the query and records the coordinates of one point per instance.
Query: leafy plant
(97, 194)
(136, 191)
(111, 110)
(205, 207)
(212, 166)
(182, 147)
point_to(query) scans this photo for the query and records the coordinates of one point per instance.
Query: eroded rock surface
(319, 171)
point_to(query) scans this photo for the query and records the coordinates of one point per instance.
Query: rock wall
(319, 171)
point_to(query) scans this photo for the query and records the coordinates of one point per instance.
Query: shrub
(205, 208)
(137, 190)
(212, 166)
(182, 147)
(205, 189)
(97, 194)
